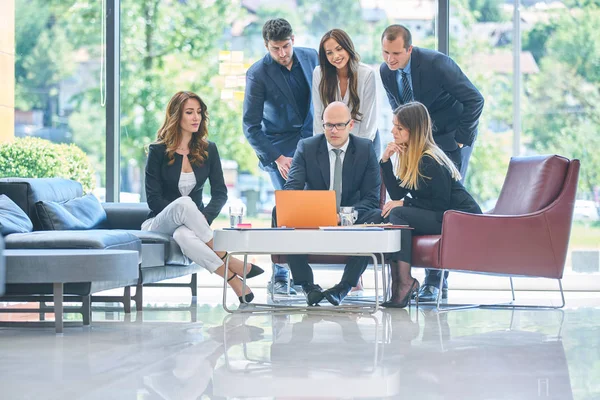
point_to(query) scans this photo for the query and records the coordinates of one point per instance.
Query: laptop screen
(305, 208)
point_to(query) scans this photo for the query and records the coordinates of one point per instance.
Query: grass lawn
(585, 235)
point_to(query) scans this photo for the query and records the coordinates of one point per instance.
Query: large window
(560, 111)
(58, 96)
(206, 46)
(165, 50)
(555, 111)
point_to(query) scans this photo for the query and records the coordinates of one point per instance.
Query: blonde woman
(426, 173)
(180, 162)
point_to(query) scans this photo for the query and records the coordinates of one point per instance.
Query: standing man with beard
(412, 73)
(278, 109)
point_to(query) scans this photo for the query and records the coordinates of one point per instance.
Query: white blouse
(366, 88)
(187, 182)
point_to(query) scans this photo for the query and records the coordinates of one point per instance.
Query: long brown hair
(170, 131)
(415, 118)
(329, 81)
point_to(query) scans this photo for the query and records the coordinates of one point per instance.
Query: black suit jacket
(437, 191)
(361, 180)
(271, 118)
(162, 181)
(453, 102)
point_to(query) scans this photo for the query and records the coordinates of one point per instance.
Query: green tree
(578, 29)
(321, 16)
(562, 100)
(487, 167)
(44, 57)
(487, 10)
(165, 45)
(535, 40)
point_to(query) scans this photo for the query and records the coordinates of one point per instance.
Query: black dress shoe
(255, 270)
(429, 293)
(246, 298)
(313, 293)
(336, 294)
(444, 293)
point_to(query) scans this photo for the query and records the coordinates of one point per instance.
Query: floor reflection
(158, 354)
(392, 355)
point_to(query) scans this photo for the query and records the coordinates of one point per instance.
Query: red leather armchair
(527, 233)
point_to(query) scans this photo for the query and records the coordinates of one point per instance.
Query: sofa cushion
(92, 239)
(126, 215)
(12, 218)
(80, 213)
(28, 191)
(173, 253)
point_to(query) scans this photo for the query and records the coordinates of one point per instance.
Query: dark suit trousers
(302, 272)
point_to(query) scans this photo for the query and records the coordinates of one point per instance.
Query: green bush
(39, 158)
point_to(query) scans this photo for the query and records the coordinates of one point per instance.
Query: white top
(366, 88)
(332, 160)
(187, 182)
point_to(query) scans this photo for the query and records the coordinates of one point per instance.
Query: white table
(303, 241)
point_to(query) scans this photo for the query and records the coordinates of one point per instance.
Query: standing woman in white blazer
(341, 76)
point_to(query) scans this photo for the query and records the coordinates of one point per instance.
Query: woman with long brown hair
(426, 173)
(180, 162)
(341, 76)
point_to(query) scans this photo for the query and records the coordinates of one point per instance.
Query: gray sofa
(116, 226)
(2, 267)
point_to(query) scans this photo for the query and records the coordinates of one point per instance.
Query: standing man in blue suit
(454, 103)
(347, 164)
(278, 108)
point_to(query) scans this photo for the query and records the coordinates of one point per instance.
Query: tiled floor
(163, 354)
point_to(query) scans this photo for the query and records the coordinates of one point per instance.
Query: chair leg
(86, 309)
(439, 297)
(139, 297)
(127, 299)
(42, 311)
(453, 307)
(194, 285)
(512, 288)
(58, 306)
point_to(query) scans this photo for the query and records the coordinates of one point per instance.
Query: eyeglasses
(339, 126)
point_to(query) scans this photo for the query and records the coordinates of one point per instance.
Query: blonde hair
(415, 118)
(169, 133)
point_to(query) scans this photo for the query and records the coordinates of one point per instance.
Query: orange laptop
(305, 208)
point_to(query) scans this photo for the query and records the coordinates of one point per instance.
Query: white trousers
(190, 230)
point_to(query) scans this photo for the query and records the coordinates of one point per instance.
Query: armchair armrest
(501, 244)
(126, 215)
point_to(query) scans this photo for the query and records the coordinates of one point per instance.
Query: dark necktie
(407, 94)
(337, 178)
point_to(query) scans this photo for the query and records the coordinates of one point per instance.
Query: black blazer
(437, 191)
(453, 102)
(162, 181)
(361, 180)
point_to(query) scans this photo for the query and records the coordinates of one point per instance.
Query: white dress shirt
(366, 87)
(332, 160)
